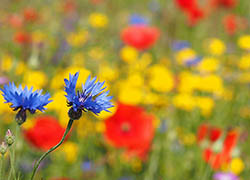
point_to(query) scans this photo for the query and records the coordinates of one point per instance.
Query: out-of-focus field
(178, 71)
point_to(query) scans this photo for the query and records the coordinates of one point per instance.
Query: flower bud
(21, 117)
(3, 148)
(9, 138)
(74, 115)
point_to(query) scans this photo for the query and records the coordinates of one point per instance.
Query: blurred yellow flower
(100, 127)
(98, 20)
(77, 39)
(188, 139)
(208, 65)
(244, 42)
(185, 55)
(216, 46)
(96, 53)
(85, 127)
(244, 77)
(6, 63)
(129, 54)
(188, 82)
(38, 36)
(244, 62)
(206, 105)
(184, 101)
(130, 95)
(71, 151)
(160, 78)
(107, 73)
(236, 166)
(20, 68)
(37, 79)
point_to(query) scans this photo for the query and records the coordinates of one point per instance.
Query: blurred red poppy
(191, 9)
(214, 134)
(140, 36)
(45, 133)
(22, 37)
(130, 128)
(30, 14)
(226, 3)
(202, 132)
(15, 21)
(69, 6)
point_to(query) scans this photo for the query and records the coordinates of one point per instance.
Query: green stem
(12, 164)
(1, 167)
(52, 149)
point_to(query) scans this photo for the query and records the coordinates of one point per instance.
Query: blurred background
(178, 71)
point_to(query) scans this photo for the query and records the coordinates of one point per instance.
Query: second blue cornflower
(92, 97)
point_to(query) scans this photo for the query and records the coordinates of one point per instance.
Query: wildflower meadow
(125, 90)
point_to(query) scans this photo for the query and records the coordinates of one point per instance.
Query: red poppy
(195, 15)
(140, 36)
(69, 6)
(30, 14)
(226, 3)
(46, 133)
(191, 9)
(130, 128)
(15, 21)
(214, 134)
(230, 141)
(230, 24)
(202, 132)
(21, 37)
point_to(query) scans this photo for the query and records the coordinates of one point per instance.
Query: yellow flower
(20, 68)
(129, 54)
(208, 65)
(130, 95)
(96, 53)
(38, 36)
(6, 63)
(77, 39)
(59, 105)
(160, 78)
(185, 55)
(206, 105)
(37, 79)
(244, 62)
(100, 127)
(212, 84)
(216, 47)
(188, 139)
(107, 73)
(236, 166)
(244, 77)
(98, 20)
(244, 42)
(70, 150)
(184, 101)
(188, 82)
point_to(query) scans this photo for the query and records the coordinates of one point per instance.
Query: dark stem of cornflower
(52, 149)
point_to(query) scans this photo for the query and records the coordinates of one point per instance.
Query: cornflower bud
(3, 148)
(9, 138)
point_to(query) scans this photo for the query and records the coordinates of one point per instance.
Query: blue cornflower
(136, 19)
(179, 45)
(24, 99)
(91, 98)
